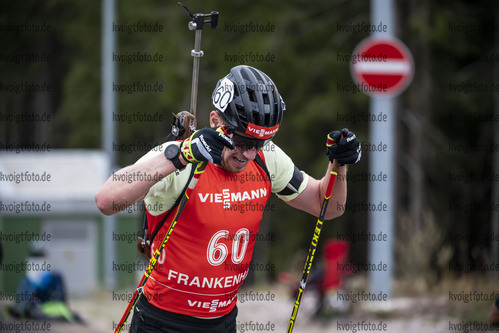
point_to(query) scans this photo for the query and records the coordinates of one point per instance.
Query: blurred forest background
(445, 155)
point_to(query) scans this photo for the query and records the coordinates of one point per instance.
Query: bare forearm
(310, 200)
(130, 184)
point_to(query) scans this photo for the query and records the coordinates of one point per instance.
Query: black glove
(206, 144)
(343, 146)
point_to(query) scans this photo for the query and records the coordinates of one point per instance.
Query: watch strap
(176, 160)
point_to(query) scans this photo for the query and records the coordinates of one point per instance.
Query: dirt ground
(271, 314)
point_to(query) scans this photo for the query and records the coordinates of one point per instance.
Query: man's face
(236, 160)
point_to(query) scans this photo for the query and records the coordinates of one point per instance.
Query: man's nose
(250, 154)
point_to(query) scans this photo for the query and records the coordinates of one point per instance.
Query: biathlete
(194, 285)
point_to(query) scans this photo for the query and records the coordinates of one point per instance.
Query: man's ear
(215, 119)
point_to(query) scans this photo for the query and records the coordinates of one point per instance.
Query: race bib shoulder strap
(177, 202)
(260, 160)
(293, 185)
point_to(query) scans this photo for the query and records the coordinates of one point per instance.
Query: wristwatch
(172, 152)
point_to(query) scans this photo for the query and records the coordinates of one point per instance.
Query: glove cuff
(186, 151)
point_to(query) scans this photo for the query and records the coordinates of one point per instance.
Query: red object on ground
(335, 252)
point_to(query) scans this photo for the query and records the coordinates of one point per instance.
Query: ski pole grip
(336, 166)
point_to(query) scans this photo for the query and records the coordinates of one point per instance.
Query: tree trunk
(420, 107)
(495, 185)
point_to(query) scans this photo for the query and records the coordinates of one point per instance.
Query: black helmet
(248, 101)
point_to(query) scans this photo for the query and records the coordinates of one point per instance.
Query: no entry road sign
(382, 66)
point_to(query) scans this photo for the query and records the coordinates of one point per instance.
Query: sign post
(382, 67)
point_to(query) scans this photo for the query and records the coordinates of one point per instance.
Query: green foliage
(302, 53)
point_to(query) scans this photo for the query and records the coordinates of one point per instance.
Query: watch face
(171, 151)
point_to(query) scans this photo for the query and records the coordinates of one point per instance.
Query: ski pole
(313, 245)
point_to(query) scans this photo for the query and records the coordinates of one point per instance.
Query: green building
(47, 202)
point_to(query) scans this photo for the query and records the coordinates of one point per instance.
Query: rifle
(184, 123)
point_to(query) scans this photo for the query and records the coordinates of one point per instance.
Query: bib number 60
(217, 251)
